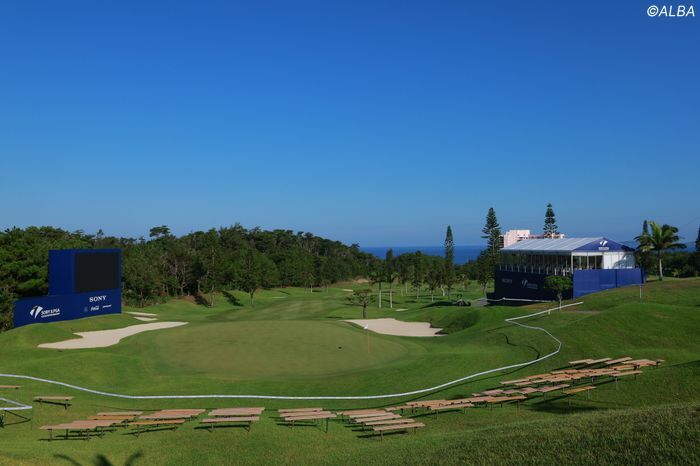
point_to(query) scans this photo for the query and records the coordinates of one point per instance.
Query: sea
(463, 254)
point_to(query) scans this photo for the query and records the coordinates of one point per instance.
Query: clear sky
(371, 122)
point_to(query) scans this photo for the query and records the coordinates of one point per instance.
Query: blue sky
(370, 122)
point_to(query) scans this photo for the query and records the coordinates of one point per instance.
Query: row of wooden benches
(379, 421)
(167, 418)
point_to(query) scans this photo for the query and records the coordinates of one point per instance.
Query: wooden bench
(173, 414)
(617, 361)
(574, 391)
(121, 413)
(310, 416)
(81, 427)
(400, 408)
(237, 412)
(579, 362)
(383, 417)
(505, 399)
(246, 420)
(116, 419)
(65, 401)
(11, 387)
(388, 422)
(298, 410)
(148, 425)
(355, 417)
(191, 412)
(462, 406)
(397, 427)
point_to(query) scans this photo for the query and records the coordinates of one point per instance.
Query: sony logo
(96, 299)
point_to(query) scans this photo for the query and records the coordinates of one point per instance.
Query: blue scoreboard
(82, 283)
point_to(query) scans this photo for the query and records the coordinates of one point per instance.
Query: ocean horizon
(463, 254)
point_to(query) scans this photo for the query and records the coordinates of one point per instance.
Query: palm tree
(659, 239)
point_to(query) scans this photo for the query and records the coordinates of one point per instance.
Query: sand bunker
(397, 327)
(145, 319)
(104, 338)
(142, 314)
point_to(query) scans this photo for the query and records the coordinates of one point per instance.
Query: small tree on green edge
(558, 284)
(362, 298)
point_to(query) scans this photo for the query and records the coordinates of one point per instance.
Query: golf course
(297, 343)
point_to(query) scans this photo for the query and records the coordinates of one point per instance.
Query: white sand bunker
(141, 314)
(397, 327)
(104, 338)
(145, 319)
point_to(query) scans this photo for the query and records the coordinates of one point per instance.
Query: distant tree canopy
(202, 262)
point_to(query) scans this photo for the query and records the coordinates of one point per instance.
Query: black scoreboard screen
(96, 271)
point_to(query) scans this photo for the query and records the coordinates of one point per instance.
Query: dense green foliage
(659, 239)
(559, 284)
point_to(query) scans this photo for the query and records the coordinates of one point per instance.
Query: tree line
(201, 263)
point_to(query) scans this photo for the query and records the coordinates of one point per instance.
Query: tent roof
(550, 245)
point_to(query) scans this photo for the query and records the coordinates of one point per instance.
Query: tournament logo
(36, 310)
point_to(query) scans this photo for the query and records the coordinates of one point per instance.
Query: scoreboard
(82, 283)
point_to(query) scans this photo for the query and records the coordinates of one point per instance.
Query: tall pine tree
(449, 260)
(492, 234)
(550, 222)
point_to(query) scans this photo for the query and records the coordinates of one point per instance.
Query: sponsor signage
(72, 276)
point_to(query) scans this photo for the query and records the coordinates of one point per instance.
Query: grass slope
(292, 343)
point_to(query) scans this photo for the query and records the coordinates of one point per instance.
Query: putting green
(275, 349)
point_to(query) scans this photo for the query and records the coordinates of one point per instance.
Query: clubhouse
(594, 264)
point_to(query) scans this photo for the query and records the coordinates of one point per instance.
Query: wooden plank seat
(389, 422)
(246, 420)
(573, 391)
(494, 392)
(83, 428)
(397, 427)
(117, 419)
(617, 361)
(355, 417)
(399, 408)
(462, 406)
(310, 416)
(236, 412)
(145, 426)
(580, 362)
(359, 411)
(121, 413)
(383, 417)
(513, 382)
(552, 388)
(192, 412)
(65, 401)
(298, 410)
(11, 387)
(505, 399)
(165, 414)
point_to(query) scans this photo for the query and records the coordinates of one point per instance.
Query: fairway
(275, 349)
(299, 346)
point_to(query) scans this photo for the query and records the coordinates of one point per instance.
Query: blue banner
(53, 308)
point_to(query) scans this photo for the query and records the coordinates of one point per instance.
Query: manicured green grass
(293, 343)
